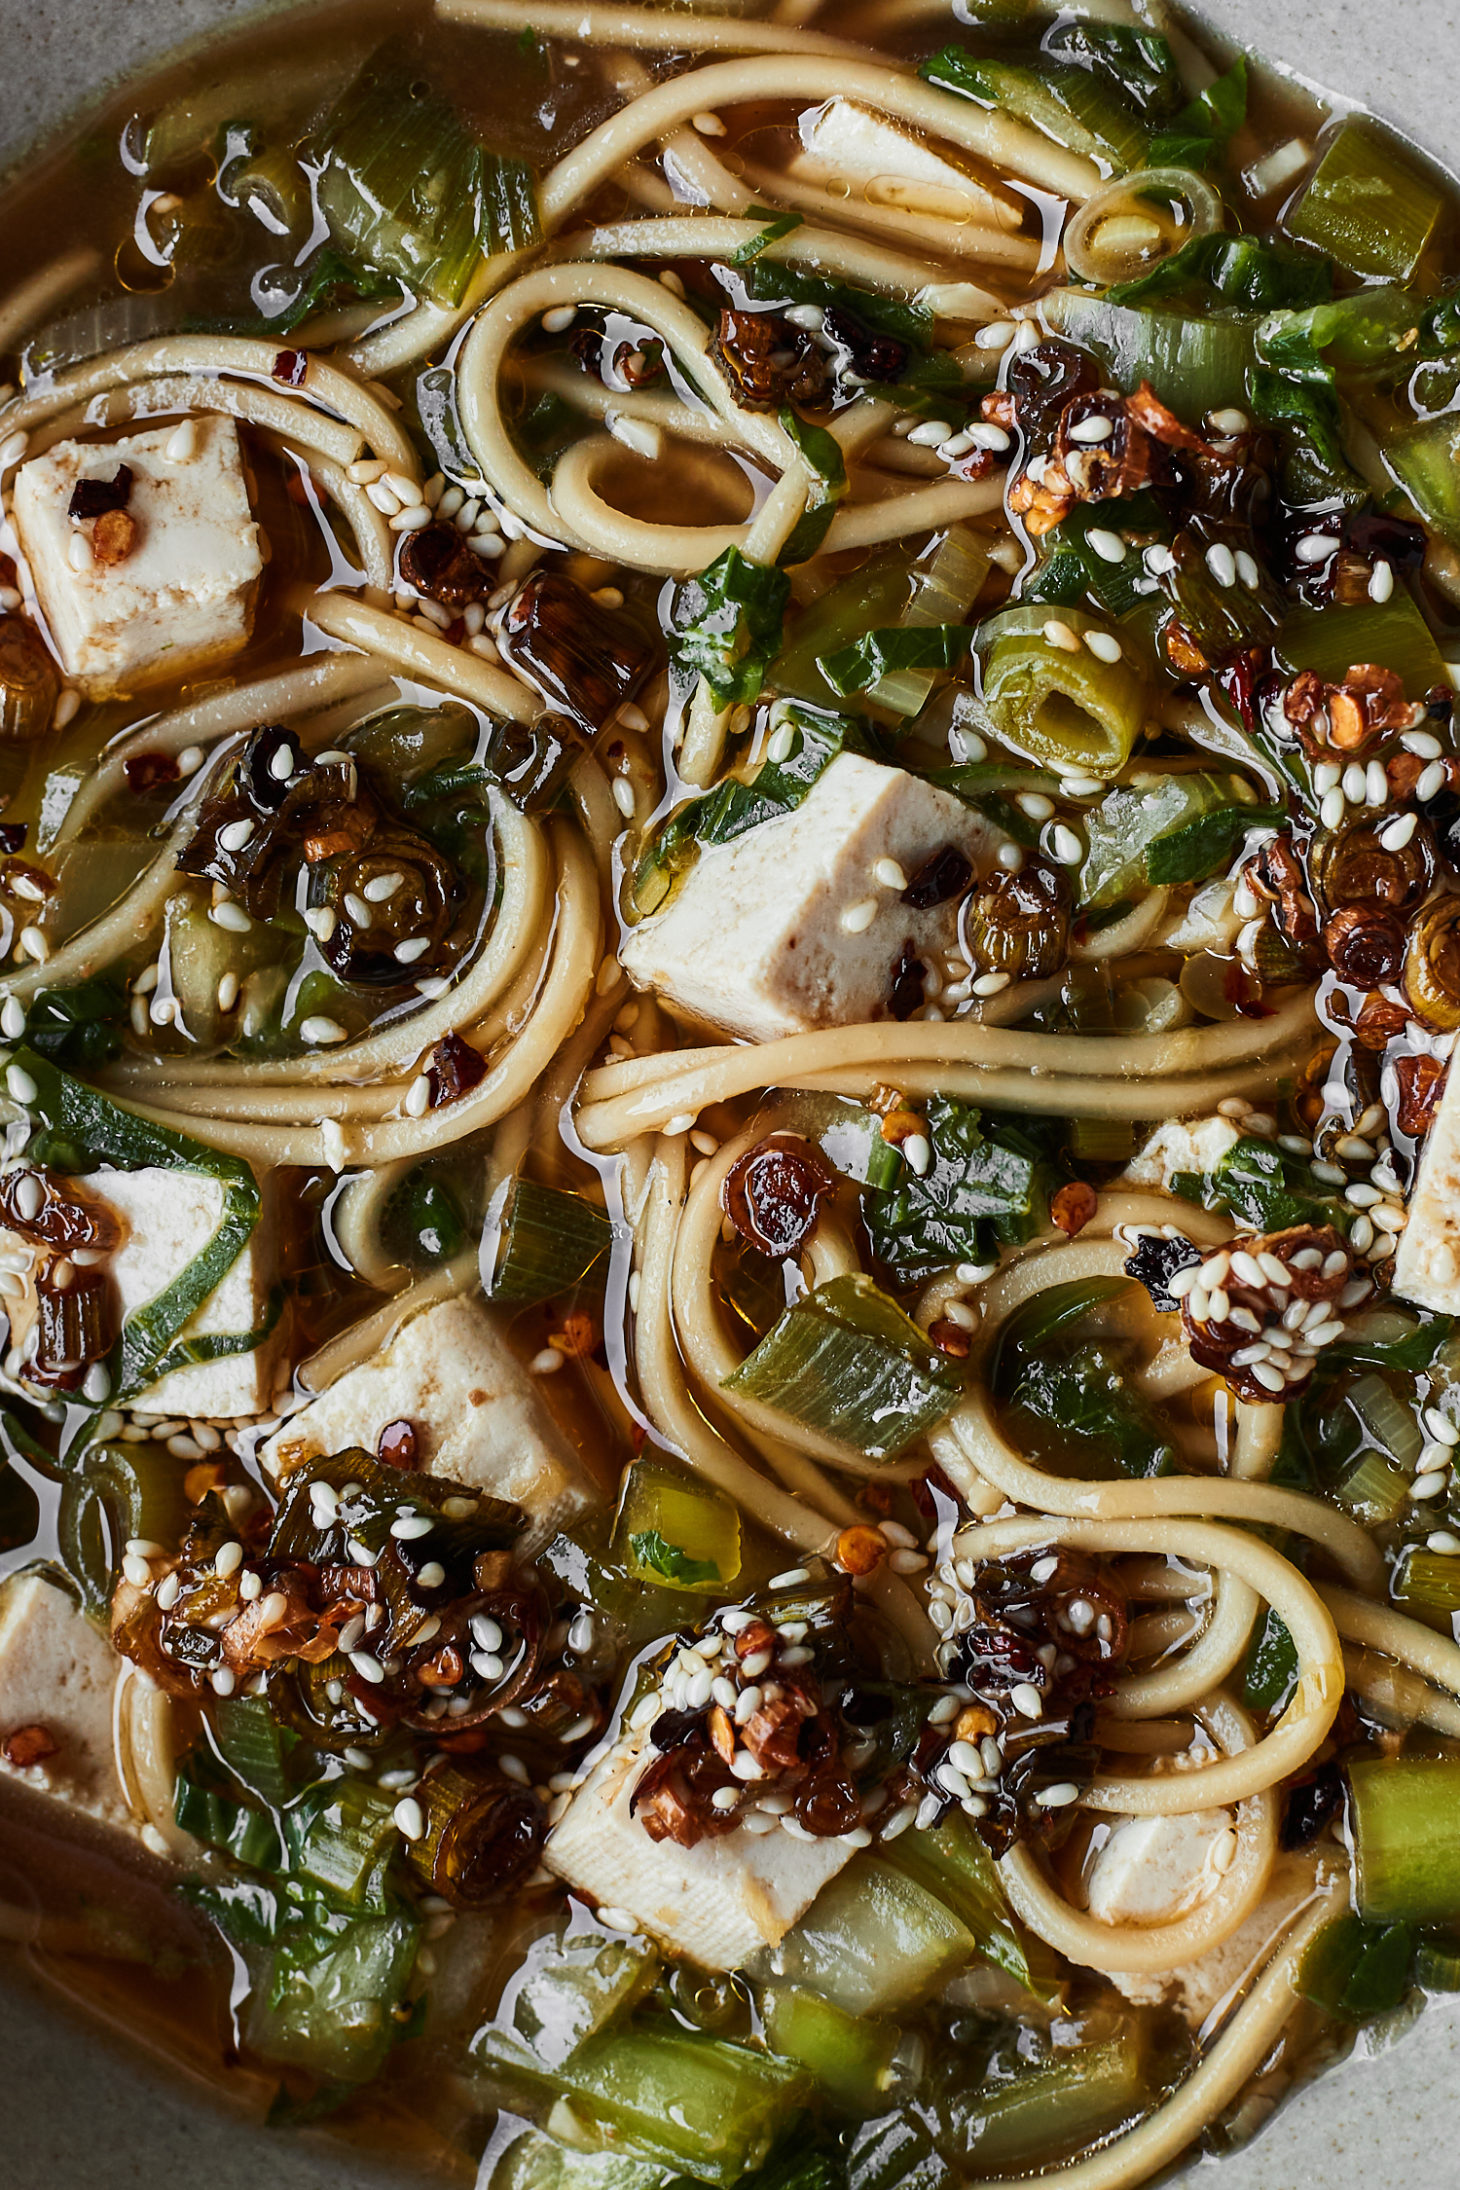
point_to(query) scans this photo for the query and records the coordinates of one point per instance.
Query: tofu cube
(182, 597)
(167, 1218)
(58, 1673)
(718, 1903)
(1154, 1869)
(477, 1414)
(893, 167)
(1182, 1144)
(791, 927)
(1427, 1265)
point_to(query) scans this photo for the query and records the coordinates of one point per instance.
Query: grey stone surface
(74, 2110)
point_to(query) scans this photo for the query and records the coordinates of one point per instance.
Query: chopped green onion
(1196, 362)
(725, 625)
(887, 653)
(849, 2055)
(1202, 129)
(1167, 829)
(1353, 335)
(1077, 109)
(822, 454)
(1243, 271)
(330, 2006)
(1069, 709)
(1392, 1425)
(952, 1862)
(1404, 1816)
(1057, 2110)
(1369, 204)
(549, 1241)
(1270, 1674)
(846, 1361)
(571, 1986)
(1425, 461)
(1427, 1586)
(1392, 633)
(874, 1941)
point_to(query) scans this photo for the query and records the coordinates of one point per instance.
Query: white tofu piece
(478, 1416)
(1427, 1265)
(1208, 921)
(167, 1218)
(59, 1672)
(718, 1903)
(765, 935)
(1182, 1144)
(1153, 1870)
(1200, 1989)
(894, 167)
(183, 598)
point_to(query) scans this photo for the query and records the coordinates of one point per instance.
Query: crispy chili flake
(1072, 1207)
(905, 989)
(861, 1550)
(113, 537)
(1421, 1084)
(1154, 1262)
(769, 362)
(926, 1489)
(869, 354)
(332, 844)
(97, 497)
(437, 562)
(951, 1339)
(397, 1445)
(74, 1326)
(1238, 680)
(290, 367)
(770, 1195)
(148, 771)
(12, 836)
(28, 1746)
(454, 1070)
(1277, 874)
(1378, 1022)
(1365, 944)
(1243, 1293)
(943, 877)
(576, 1336)
(52, 1208)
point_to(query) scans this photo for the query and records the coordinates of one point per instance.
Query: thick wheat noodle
(1258, 1441)
(416, 653)
(524, 870)
(324, 387)
(484, 354)
(661, 1380)
(1227, 2064)
(373, 536)
(42, 291)
(948, 239)
(719, 236)
(173, 393)
(1379, 1627)
(1304, 1723)
(566, 985)
(988, 133)
(668, 30)
(1130, 933)
(1396, 1695)
(429, 327)
(1065, 1095)
(1153, 1949)
(356, 1217)
(143, 1751)
(639, 1094)
(292, 692)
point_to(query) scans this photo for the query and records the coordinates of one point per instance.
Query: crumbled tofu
(891, 165)
(1427, 1265)
(1182, 1144)
(181, 597)
(59, 1673)
(477, 1414)
(1208, 921)
(167, 1219)
(1199, 1989)
(1154, 1869)
(718, 1903)
(791, 926)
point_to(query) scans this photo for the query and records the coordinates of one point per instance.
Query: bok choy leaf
(725, 625)
(986, 1186)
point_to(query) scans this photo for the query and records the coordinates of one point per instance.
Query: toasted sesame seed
(554, 322)
(1059, 1796)
(1108, 545)
(859, 917)
(1027, 1700)
(409, 1817)
(1059, 634)
(1381, 582)
(1431, 782)
(1222, 563)
(316, 1029)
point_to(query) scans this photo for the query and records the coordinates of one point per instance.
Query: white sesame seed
(1422, 743)
(228, 1560)
(1222, 563)
(1431, 782)
(1229, 421)
(230, 915)
(1058, 1797)
(316, 1029)
(19, 1084)
(1376, 784)
(1397, 833)
(1381, 582)
(554, 322)
(1059, 634)
(996, 336)
(859, 917)
(889, 874)
(1104, 645)
(1316, 547)
(1035, 805)
(1443, 1539)
(1330, 808)
(1027, 1700)
(990, 437)
(1090, 431)
(546, 1363)
(1248, 571)
(1066, 846)
(410, 1818)
(1108, 545)
(235, 835)
(930, 433)
(991, 984)
(1440, 1427)
(167, 1591)
(1428, 1486)
(223, 1681)
(136, 1571)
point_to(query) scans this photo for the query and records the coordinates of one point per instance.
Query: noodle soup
(728, 1224)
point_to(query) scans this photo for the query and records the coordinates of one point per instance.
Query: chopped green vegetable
(1427, 1586)
(1201, 130)
(1079, 109)
(407, 189)
(1098, 1423)
(725, 625)
(1138, 62)
(874, 1941)
(821, 452)
(1059, 2109)
(1315, 468)
(1196, 361)
(846, 1361)
(327, 278)
(1392, 633)
(952, 1862)
(82, 1130)
(777, 225)
(1369, 204)
(1167, 829)
(1404, 1815)
(1242, 271)
(1354, 1970)
(549, 1241)
(985, 1187)
(886, 653)
(78, 1028)
(848, 2055)
(673, 1527)
(1425, 461)
(1264, 1186)
(571, 1985)
(1071, 711)
(1270, 1674)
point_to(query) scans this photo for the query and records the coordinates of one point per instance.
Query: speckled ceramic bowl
(76, 2113)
